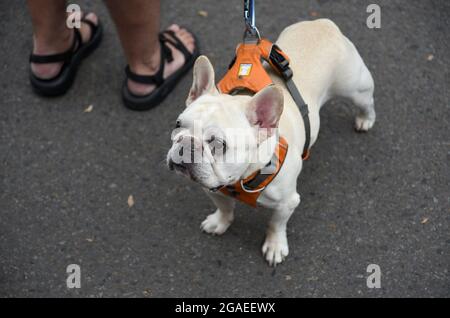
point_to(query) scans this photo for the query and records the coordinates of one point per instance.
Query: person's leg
(138, 25)
(50, 33)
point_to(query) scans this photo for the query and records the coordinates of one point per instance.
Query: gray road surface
(66, 175)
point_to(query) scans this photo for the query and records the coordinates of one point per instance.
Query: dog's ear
(265, 108)
(204, 82)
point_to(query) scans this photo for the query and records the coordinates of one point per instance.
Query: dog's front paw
(275, 248)
(364, 123)
(217, 223)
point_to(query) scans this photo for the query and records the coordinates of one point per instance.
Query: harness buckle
(281, 63)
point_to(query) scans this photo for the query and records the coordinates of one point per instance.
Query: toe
(278, 258)
(86, 30)
(215, 224)
(184, 36)
(174, 27)
(270, 256)
(363, 124)
(91, 16)
(275, 250)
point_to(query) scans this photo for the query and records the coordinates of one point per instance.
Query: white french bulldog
(325, 65)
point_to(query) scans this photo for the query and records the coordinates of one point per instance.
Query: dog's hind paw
(216, 223)
(363, 123)
(275, 249)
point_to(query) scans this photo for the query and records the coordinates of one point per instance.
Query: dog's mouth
(184, 170)
(176, 166)
(215, 189)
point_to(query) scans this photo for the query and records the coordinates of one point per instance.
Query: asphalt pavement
(66, 175)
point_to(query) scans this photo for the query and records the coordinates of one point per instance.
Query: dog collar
(249, 189)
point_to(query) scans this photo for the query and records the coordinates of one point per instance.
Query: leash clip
(251, 34)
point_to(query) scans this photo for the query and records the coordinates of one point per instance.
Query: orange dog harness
(249, 189)
(246, 72)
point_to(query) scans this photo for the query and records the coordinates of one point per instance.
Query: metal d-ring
(251, 191)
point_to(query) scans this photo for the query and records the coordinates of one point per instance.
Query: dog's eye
(217, 145)
(178, 124)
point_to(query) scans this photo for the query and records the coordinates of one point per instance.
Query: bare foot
(50, 70)
(169, 68)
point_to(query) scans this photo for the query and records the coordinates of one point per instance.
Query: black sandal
(72, 58)
(163, 86)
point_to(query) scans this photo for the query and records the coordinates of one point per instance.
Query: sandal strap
(166, 55)
(167, 52)
(157, 79)
(91, 24)
(144, 79)
(59, 57)
(67, 55)
(176, 42)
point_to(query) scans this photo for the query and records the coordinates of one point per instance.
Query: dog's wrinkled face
(219, 136)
